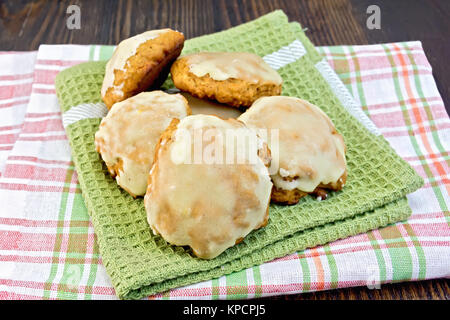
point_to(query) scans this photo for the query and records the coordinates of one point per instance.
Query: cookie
(201, 192)
(127, 136)
(308, 154)
(234, 78)
(140, 63)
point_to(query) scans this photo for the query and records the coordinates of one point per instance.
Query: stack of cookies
(208, 181)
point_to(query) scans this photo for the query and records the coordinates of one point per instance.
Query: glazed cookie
(139, 63)
(209, 204)
(233, 78)
(127, 136)
(309, 153)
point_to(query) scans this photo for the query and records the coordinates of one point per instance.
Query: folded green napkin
(141, 264)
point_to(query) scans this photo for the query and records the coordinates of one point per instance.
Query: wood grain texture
(27, 24)
(437, 289)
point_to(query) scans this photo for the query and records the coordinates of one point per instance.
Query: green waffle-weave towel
(141, 264)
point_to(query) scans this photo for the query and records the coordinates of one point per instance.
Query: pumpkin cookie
(233, 78)
(127, 136)
(139, 63)
(308, 157)
(200, 193)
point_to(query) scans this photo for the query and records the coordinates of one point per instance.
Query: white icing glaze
(310, 151)
(126, 49)
(206, 206)
(232, 65)
(130, 132)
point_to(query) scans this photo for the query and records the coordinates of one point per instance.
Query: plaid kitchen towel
(48, 245)
(140, 263)
(16, 77)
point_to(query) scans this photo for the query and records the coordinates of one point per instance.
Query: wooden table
(27, 24)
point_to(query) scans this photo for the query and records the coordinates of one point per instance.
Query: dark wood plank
(424, 290)
(27, 24)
